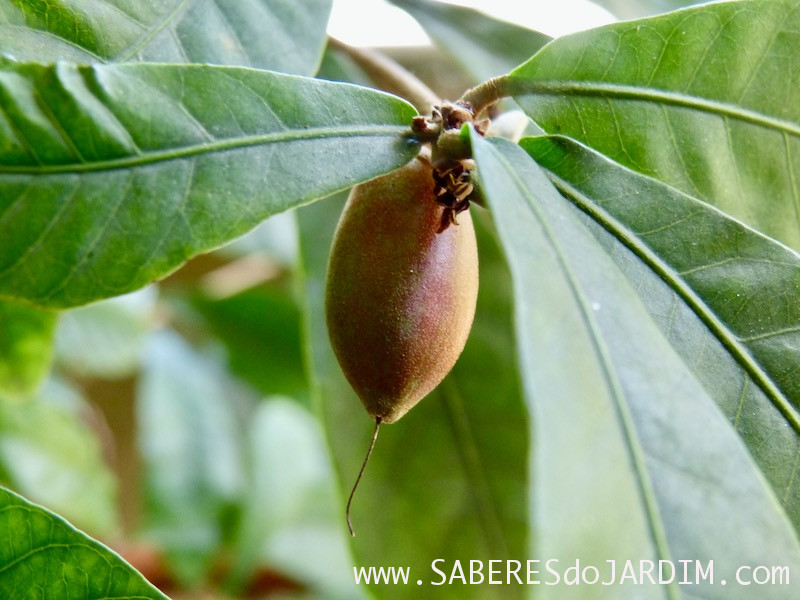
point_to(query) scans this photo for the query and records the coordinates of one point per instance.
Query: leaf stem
(390, 75)
(482, 96)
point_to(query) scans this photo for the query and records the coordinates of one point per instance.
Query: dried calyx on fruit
(453, 167)
(403, 274)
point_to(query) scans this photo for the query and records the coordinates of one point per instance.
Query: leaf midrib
(636, 453)
(667, 274)
(222, 145)
(518, 86)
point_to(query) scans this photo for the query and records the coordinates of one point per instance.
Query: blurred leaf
(26, 338)
(261, 330)
(623, 428)
(631, 9)
(704, 100)
(43, 556)
(105, 339)
(49, 453)
(337, 65)
(449, 478)
(282, 35)
(190, 156)
(276, 237)
(481, 45)
(190, 444)
(290, 522)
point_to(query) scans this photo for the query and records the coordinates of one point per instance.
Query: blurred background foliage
(202, 429)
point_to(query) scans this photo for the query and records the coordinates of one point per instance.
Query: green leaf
(632, 456)
(26, 335)
(50, 454)
(631, 9)
(448, 480)
(43, 556)
(189, 439)
(281, 35)
(482, 46)
(112, 176)
(702, 99)
(731, 293)
(105, 339)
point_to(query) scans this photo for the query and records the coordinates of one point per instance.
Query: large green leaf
(737, 288)
(43, 556)
(632, 456)
(482, 46)
(26, 334)
(448, 480)
(282, 35)
(50, 454)
(112, 176)
(189, 438)
(704, 99)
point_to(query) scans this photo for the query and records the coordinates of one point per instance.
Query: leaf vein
(518, 86)
(650, 505)
(218, 145)
(151, 32)
(728, 339)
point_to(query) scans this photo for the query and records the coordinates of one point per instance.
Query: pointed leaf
(482, 46)
(448, 480)
(740, 284)
(26, 337)
(281, 35)
(43, 556)
(632, 455)
(112, 176)
(703, 99)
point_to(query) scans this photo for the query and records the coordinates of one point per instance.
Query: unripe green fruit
(400, 297)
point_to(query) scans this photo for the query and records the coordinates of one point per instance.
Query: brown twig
(390, 76)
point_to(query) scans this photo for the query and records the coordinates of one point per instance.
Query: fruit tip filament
(360, 473)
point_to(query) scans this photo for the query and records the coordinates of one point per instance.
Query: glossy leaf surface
(112, 176)
(703, 99)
